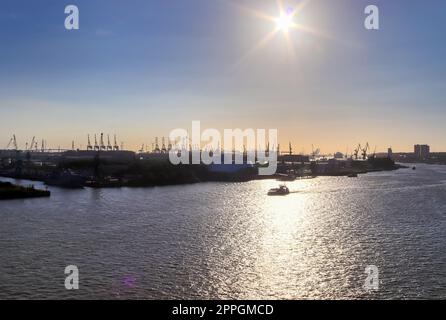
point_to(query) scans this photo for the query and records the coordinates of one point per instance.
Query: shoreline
(103, 183)
(9, 191)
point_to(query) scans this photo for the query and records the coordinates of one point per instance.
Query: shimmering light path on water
(217, 240)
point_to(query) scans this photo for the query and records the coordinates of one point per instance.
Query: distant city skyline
(139, 69)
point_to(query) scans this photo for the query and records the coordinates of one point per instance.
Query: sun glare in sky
(284, 22)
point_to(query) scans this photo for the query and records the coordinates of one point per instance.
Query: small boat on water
(106, 182)
(281, 191)
(353, 175)
(414, 168)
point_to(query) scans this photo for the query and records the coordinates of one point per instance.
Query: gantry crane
(157, 146)
(9, 143)
(163, 146)
(89, 146)
(96, 146)
(109, 146)
(102, 145)
(115, 147)
(364, 151)
(356, 152)
(31, 145)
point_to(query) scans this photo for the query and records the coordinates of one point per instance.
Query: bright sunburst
(285, 21)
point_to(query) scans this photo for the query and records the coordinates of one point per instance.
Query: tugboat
(281, 191)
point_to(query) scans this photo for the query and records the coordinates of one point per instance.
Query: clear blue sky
(140, 68)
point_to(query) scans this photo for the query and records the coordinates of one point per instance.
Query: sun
(287, 21)
(284, 22)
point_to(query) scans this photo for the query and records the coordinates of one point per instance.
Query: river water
(231, 241)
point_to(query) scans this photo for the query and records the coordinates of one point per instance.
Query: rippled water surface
(217, 240)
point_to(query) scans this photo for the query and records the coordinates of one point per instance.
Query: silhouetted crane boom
(115, 147)
(9, 143)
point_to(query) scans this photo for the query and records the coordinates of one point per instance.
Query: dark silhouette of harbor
(118, 168)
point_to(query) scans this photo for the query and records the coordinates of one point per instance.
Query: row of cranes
(166, 145)
(363, 152)
(157, 147)
(32, 146)
(101, 146)
(358, 153)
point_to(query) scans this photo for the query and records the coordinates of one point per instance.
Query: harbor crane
(115, 147)
(157, 147)
(364, 151)
(102, 145)
(163, 148)
(89, 146)
(356, 152)
(315, 153)
(96, 146)
(109, 146)
(374, 153)
(9, 143)
(31, 145)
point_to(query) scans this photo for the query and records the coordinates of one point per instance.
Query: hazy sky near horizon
(142, 68)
